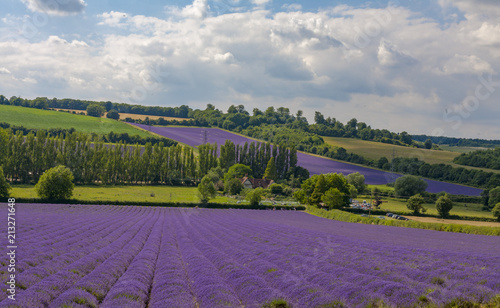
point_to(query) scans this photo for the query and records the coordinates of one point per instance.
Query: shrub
(496, 211)
(113, 114)
(415, 204)
(4, 186)
(206, 189)
(409, 185)
(233, 187)
(95, 110)
(254, 196)
(55, 184)
(444, 205)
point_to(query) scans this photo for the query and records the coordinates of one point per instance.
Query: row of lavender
(158, 257)
(194, 136)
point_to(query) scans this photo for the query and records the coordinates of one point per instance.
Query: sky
(425, 67)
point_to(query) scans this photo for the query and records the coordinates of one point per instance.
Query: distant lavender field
(194, 136)
(109, 256)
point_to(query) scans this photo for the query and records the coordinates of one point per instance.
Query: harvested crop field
(109, 256)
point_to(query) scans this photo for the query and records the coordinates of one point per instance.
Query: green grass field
(375, 150)
(126, 193)
(45, 119)
(471, 210)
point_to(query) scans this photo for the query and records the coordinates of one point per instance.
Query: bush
(4, 186)
(233, 187)
(444, 205)
(496, 211)
(113, 114)
(55, 184)
(494, 197)
(254, 196)
(409, 185)
(276, 189)
(95, 110)
(206, 189)
(415, 204)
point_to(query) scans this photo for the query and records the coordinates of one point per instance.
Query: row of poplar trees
(26, 157)
(258, 156)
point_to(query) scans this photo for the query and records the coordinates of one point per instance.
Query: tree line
(76, 104)
(92, 161)
(481, 158)
(111, 137)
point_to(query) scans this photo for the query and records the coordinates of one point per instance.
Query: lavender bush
(108, 256)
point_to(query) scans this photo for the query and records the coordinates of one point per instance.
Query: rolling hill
(46, 119)
(375, 150)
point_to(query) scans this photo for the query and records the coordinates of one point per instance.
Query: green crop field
(459, 208)
(45, 119)
(126, 193)
(375, 150)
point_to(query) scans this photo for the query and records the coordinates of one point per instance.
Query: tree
(444, 205)
(320, 188)
(409, 185)
(428, 144)
(353, 192)
(56, 184)
(377, 200)
(255, 196)
(271, 171)
(357, 180)
(95, 110)
(113, 114)
(206, 189)
(233, 186)
(4, 186)
(494, 197)
(496, 211)
(415, 204)
(333, 199)
(4, 141)
(237, 171)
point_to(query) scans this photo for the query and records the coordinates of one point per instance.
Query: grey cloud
(56, 7)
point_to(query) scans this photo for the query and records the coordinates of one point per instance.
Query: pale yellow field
(130, 115)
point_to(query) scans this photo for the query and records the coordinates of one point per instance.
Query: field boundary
(162, 204)
(348, 217)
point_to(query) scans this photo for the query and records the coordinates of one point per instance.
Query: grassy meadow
(127, 193)
(46, 119)
(375, 150)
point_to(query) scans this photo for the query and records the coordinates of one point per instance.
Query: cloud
(5, 71)
(389, 55)
(372, 64)
(462, 64)
(56, 7)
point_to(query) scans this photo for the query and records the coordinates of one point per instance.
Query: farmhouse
(254, 183)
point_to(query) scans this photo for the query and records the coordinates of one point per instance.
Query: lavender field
(194, 136)
(109, 256)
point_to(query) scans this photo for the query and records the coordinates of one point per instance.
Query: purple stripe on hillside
(195, 136)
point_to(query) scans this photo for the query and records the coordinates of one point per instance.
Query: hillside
(45, 119)
(376, 150)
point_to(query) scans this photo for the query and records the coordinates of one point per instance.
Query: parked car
(364, 215)
(381, 217)
(389, 214)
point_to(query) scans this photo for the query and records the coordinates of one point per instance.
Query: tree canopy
(55, 184)
(409, 185)
(444, 205)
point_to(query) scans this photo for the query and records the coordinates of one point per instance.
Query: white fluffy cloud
(388, 67)
(56, 7)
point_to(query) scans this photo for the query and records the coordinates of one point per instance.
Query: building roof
(257, 182)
